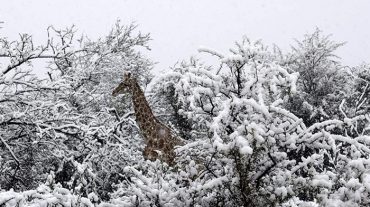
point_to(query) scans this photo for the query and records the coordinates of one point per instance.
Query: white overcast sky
(178, 28)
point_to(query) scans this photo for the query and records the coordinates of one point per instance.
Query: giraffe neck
(143, 112)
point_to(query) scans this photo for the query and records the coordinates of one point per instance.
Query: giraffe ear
(127, 75)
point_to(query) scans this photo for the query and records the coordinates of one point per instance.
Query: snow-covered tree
(357, 102)
(322, 79)
(65, 141)
(67, 123)
(247, 149)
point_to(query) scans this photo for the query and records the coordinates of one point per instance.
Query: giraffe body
(159, 140)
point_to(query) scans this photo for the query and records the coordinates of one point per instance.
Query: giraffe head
(125, 86)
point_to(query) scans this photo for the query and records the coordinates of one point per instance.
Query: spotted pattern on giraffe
(160, 141)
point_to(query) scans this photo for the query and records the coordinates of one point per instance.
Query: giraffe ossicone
(159, 140)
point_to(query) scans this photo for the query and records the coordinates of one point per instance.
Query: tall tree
(322, 79)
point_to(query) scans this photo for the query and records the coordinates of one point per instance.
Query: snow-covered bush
(248, 150)
(49, 194)
(67, 122)
(323, 82)
(65, 141)
(358, 101)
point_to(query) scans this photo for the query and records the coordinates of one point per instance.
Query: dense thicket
(263, 128)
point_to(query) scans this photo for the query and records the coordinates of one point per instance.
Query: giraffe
(159, 140)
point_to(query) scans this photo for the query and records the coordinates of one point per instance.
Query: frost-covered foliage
(65, 141)
(67, 123)
(248, 150)
(48, 194)
(358, 101)
(323, 81)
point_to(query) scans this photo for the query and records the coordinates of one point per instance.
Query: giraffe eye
(125, 84)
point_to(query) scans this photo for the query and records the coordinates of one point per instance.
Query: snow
(322, 180)
(244, 133)
(210, 51)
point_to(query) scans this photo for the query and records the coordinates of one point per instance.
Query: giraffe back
(161, 143)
